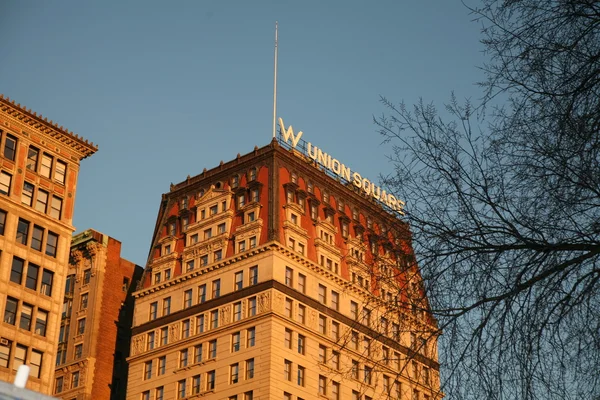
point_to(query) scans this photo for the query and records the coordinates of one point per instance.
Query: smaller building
(95, 329)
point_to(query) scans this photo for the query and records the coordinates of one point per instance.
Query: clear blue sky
(168, 88)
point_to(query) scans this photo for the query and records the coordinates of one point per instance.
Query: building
(39, 164)
(95, 327)
(272, 276)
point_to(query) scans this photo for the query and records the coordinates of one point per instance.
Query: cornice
(50, 128)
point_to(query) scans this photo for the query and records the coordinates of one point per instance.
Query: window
(75, 379)
(181, 389)
(335, 360)
(60, 171)
(252, 174)
(241, 246)
(198, 350)
(252, 306)
(368, 375)
(322, 324)
(354, 309)
(81, 326)
(212, 349)
(27, 194)
(288, 339)
(250, 337)
(10, 310)
(301, 314)
(22, 231)
(78, 351)
(216, 288)
(2, 221)
(208, 233)
(237, 311)
(183, 358)
(166, 306)
(322, 294)
(301, 344)
(146, 395)
(87, 274)
(83, 301)
(187, 298)
(250, 217)
(366, 316)
(185, 328)
(164, 336)
(354, 340)
(249, 369)
(32, 276)
(201, 294)
(55, 207)
(5, 180)
(252, 242)
(322, 385)
(16, 272)
(302, 283)
(287, 370)
(26, 313)
(288, 308)
(148, 370)
(210, 380)
(289, 276)
(41, 202)
(5, 350)
(287, 396)
(254, 195)
(235, 342)
(253, 275)
(189, 266)
(159, 393)
(335, 330)
(153, 310)
(234, 373)
(196, 384)
(10, 147)
(322, 354)
(214, 319)
(239, 280)
(32, 158)
(200, 323)
(235, 181)
(335, 300)
(58, 385)
(162, 365)
(301, 375)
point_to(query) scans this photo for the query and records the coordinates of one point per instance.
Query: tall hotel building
(95, 324)
(269, 278)
(39, 164)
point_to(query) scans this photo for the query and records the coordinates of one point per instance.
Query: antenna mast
(275, 85)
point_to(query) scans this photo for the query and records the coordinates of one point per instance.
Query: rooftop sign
(341, 170)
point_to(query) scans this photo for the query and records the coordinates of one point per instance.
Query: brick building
(39, 165)
(95, 324)
(272, 276)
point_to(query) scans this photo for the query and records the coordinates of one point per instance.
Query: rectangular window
(75, 379)
(201, 294)
(166, 306)
(239, 280)
(37, 236)
(41, 322)
(181, 389)
(322, 385)
(216, 288)
(288, 339)
(252, 242)
(214, 319)
(368, 375)
(10, 147)
(335, 390)
(58, 385)
(46, 166)
(22, 231)
(322, 294)
(31, 280)
(218, 255)
(81, 326)
(250, 368)
(10, 310)
(78, 351)
(187, 298)
(208, 233)
(198, 350)
(221, 228)
(159, 393)
(322, 324)
(335, 330)
(212, 349)
(56, 207)
(287, 370)
(196, 384)
(250, 337)
(301, 375)
(153, 310)
(234, 373)
(16, 272)
(183, 358)
(41, 201)
(146, 395)
(237, 311)
(32, 159)
(301, 314)
(253, 275)
(210, 380)
(241, 246)
(47, 282)
(354, 309)
(200, 323)
(322, 354)
(288, 307)
(87, 275)
(335, 300)
(301, 344)
(213, 210)
(252, 306)
(27, 194)
(2, 221)
(148, 370)
(26, 313)
(164, 336)
(162, 365)
(189, 266)
(235, 342)
(354, 340)
(5, 181)
(185, 328)
(289, 276)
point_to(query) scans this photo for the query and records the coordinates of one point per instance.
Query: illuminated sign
(341, 170)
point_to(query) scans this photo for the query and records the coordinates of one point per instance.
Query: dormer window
(254, 195)
(252, 174)
(213, 210)
(344, 229)
(314, 211)
(294, 177)
(235, 181)
(309, 187)
(369, 223)
(355, 214)
(172, 227)
(251, 216)
(167, 249)
(241, 200)
(184, 203)
(325, 197)
(289, 196)
(340, 205)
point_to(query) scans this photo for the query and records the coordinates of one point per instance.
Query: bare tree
(504, 206)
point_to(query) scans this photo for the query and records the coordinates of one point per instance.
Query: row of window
(37, 237)
(59, 383)
(37, 278)
(26, 315)
(44, 202)
(215, 291)
(13, 355)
